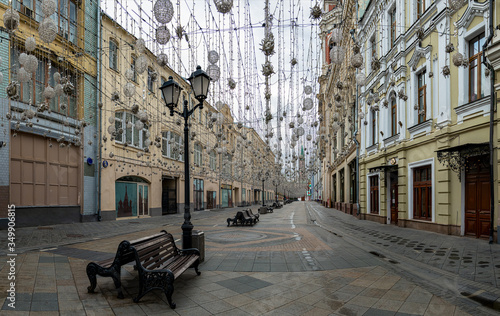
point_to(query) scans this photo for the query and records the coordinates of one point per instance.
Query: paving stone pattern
(286, 264)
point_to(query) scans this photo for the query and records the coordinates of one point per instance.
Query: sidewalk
(42, 237)
(283, 265)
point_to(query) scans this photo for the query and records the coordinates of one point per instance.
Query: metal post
(263, 204)
(187, 226)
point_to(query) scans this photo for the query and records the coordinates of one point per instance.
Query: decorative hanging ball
(129, 89)
(375, 64)
(179, 30)
(162, 59)
(361, 115)
(361, 79)
(48, 93)
(300, 120)
(139, 125)
(357, 60)
(291, 125)
(23, 75)
(231, 83)
(316, 12)
(129, 74)
(446, 71)
(308, 103)
(129, 125)
(223, 6)
(47, 30)
(309, 137)
(111, 120)
(11, 19)
(308, 90)
(143, 116)
(140, 45)
(162, 35)
(336, 36)
(48, 7)
(267, 69)
(294, 61)
(135, 108)
(30, 44)
(23, 58)
(449, 48)
(57, 77)
(213, 72)
(163, 11)
(115, 96)
(141, 64)
(337, 54)
(267, 45)
(213, 57)
(68, 88)
(458, 59)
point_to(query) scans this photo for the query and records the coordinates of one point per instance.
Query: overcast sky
(236, 36)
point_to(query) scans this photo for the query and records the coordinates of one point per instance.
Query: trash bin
(199, 243)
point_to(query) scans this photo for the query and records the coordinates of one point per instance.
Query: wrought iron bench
(249, 213)
(111, 267)
(160, 264)
(158, 261)
(240, 219)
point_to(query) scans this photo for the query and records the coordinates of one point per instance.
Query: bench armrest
(189, 251)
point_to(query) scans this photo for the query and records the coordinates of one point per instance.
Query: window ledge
(372, 148)
(478, 107)
(391, 139)
(420, 128)
(420, 220)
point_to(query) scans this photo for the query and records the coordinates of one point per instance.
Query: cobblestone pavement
(302, 259)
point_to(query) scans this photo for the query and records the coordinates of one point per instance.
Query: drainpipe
(98, 100)
(492, 111)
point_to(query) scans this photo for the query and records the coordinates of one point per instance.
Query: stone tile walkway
(283, 265)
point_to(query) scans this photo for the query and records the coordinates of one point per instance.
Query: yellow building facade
(424, 154)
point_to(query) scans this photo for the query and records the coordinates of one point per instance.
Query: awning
(456, 157)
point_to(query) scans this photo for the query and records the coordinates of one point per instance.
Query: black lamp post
(171, 91)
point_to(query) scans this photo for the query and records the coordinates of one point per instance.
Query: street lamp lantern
(171, 92)
(199, 83)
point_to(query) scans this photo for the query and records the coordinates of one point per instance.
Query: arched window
(394, 117)
(197, 154)
(127, 122)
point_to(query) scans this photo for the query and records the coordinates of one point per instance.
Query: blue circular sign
(105, 163)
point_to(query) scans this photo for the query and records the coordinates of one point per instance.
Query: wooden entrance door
(374, 205)
(477, 198)
(211, 196)
(394, 198)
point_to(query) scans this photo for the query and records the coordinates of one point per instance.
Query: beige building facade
(143, 146)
